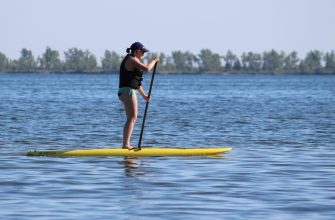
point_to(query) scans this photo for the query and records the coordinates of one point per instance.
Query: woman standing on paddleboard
(130, 81)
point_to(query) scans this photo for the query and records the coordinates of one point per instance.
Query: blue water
(281, 128)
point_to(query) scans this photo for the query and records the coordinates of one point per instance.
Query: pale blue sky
(165, 26)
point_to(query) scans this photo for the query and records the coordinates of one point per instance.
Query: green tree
(169, 65)
(230, 60)
(237, 65)
(273, 61)
(312, 62)
(179, 61)
(184, 61)
(209, 61)
(291, 61)
(162, 62)
(329, 59)
(3, 62)
(77, 60)
(26, 62)
(111, 61)
(91, 62)
(251, 61)
(50, 61)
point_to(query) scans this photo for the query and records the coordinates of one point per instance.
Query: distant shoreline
(178, 62)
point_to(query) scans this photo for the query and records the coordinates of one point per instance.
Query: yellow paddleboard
(144, 152)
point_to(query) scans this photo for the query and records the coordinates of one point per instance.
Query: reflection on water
(132, 165)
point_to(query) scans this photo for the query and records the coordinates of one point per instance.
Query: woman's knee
(132, 119)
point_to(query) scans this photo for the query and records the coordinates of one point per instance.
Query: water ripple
(281, 128)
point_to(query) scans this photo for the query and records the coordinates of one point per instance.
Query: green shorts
(126, 90)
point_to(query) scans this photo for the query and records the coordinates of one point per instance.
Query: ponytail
(130, 51)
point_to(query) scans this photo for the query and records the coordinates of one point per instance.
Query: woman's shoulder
(130, 63)
(132, 60)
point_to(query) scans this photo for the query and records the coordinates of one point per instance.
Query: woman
(131, 72)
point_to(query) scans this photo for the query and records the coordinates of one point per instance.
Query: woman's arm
(141, 91)
(146, 68)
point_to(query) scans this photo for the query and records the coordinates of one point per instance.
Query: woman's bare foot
(129, 147)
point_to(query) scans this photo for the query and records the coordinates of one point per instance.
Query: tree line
(83, 61)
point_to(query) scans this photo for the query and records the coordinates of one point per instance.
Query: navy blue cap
(138, 46)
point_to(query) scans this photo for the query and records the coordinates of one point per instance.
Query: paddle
(146, 107)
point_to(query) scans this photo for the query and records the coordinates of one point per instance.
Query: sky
(167, 25)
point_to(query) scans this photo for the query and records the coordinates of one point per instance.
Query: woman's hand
(141, 91)
(156, 59)
(146, 98)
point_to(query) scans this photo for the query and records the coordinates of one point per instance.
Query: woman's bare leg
(130, 106)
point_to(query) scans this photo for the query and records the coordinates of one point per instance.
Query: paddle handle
(147, 106)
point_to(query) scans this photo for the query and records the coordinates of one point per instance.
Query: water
(281, 128)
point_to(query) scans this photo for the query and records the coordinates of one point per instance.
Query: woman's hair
(130, 51)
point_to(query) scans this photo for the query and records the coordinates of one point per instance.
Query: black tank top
(126, 76)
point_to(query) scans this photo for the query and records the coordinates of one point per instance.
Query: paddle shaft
(147, 106)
